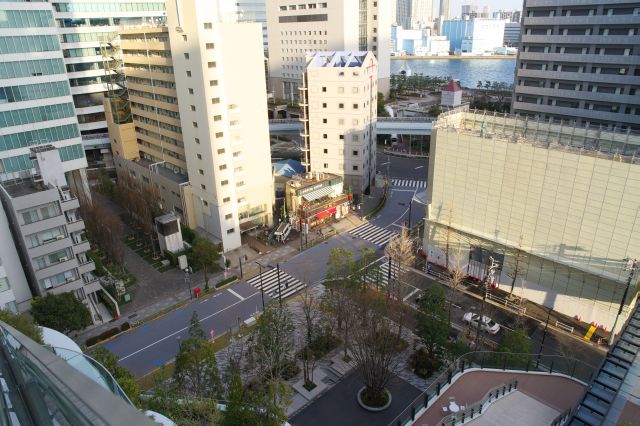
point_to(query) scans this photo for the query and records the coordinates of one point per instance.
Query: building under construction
(556, 206)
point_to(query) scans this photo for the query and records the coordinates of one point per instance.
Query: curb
(404, 155)
(381, 204)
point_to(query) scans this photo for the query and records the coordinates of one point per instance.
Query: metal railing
(474, 410)
(562, 418)
(496, 361)
(418, 119)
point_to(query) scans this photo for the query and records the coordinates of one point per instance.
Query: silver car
(488, 325)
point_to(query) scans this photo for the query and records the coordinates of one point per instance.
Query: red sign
(197, 291)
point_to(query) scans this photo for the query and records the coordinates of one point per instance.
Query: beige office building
(564, 200)
(221, 91)
(296, 29)
(339, 103)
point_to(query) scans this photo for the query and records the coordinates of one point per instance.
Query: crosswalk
(380, 277)
(269, 283)
(373, 234)
(409, 183)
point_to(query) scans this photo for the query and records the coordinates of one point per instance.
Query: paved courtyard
(339, 406)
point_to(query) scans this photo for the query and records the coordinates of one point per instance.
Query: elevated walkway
(385, 126)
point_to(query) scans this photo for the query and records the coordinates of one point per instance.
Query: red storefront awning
(322, 215)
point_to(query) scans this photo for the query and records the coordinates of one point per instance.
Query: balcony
(70, 285)
(50, 246)
(69, 202)
(86, 267)
(56, 268)
(577, 39)
(81, 246)
(76, 225)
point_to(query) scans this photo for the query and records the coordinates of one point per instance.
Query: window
(209, 46)
(355, 106)
(226, 199)
(324, 89)
(197, 141)
(184, 37)
(201, 171)
(340, 89)
(324, 121)
(203, 186)
(188, 73)
(223, 167)
(324, 136)
(193, 107)
(217, 117)
(190, 91)
(213, 83)
(354, 89)
(204, 202)
(221, 151)
(211, 64)
(340, 105)
(341, 121)
(199, 156)
(355, 152)
(186, 56)
(341, 136)
(355, 168)
(228, 216)
(326, 165)
(208, 26)
(241, 200)
(354, 138)
(324, 105)
(231, 231)
(241, 183)
(224, 182)
(215, 101)
(325, 151)
(195, 124)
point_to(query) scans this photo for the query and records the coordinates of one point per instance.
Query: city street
(155, 343)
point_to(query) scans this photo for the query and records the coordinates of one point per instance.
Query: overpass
(385, 126)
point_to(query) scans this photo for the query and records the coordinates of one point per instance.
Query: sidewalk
(371, 201)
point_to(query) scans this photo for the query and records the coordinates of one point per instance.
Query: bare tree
(400, 251)
(518, 261)
(447, 238)
(457, 274)
(104, 228)
(309, 318)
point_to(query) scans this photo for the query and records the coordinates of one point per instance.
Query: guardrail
(501, 361)
(420, 119)
(474, 410)
(507, 303)
(564, 327)
(284, 120)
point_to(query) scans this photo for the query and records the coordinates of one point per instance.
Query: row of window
(157, 110)
(162, 150)
(36, 114)
(155, 123)
(354, 153)
(83, 37)
(108, 7)
(159, 137)
(34, 91)
(151, 68)
(148, 82)
(25, 44)
(80, 52)
(42, 212)
(539, 13)
(157, 97)
(31, 68)
(584, 31)
(304, 6)
(580, 50)
(26, 18)
(47, 260)
(341, 166)
(151, 53)
(36, 137)
(71, 152)
(579, 87)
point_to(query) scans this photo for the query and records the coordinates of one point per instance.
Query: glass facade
(37, 137)
(71, 152)
(25, 18)
(108, 7)
(31, 68)
(36, 114)
(22, 44)
(34, 91)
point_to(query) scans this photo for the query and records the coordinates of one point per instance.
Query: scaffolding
(115, 78)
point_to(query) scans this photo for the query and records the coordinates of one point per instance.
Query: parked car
(488, 325)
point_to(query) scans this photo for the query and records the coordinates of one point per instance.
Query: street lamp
(187, 279)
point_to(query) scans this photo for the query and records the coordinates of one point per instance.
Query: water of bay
(468, 71)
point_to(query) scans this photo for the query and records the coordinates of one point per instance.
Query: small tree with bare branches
(400, 251)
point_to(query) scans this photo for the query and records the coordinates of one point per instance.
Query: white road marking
(384, 164)
(408, 296)
(183, 329)
(419, 167)
(235, 294)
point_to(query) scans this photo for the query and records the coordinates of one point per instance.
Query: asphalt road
(155, 343)
(401, 167)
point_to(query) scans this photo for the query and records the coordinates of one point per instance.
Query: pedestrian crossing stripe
(269, 283)
(380, 277)
(409, 183)
(373, 234)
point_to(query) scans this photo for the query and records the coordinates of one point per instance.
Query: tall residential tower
(580, 62)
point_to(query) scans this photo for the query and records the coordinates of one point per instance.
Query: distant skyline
(493, 4)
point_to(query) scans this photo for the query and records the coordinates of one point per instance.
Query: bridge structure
(385, 126)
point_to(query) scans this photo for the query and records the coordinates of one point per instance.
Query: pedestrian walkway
(409, 183)
(268, 282)
(373, 234)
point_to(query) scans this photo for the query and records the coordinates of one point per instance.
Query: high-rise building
(580, 63)
(475, 36)
(339, 101)
(421, 14)
(444, 10)
(83, 26)
(486, 12)
(222, 99)
(254, 11)
(556, 202)
(297, 29)
(511, 34)
(468, 11)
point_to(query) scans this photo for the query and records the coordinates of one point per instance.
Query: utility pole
(544, 336)
(240, 260)
(279, 288)
(487, 279)
(632, 266)
(261, 284)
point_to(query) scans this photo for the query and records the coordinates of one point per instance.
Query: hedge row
(226, 281)
(107, 334)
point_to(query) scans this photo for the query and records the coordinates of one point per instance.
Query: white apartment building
(296, 29)
(339, 115)
(221, 91)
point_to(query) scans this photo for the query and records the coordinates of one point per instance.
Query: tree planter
(374, 409)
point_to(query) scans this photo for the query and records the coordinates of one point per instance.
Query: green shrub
(125, 326)
(226, 281)
(423, 364)
(188, 234)
(102, 336)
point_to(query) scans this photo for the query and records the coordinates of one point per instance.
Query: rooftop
(335, 59)
(453, 86)
(163, 171)
(548, 134)
(306, 180)
(288, 168)
(22, 187)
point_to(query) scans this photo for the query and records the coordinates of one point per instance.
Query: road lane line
(419, 167)
(184, 328)
(235, 294)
